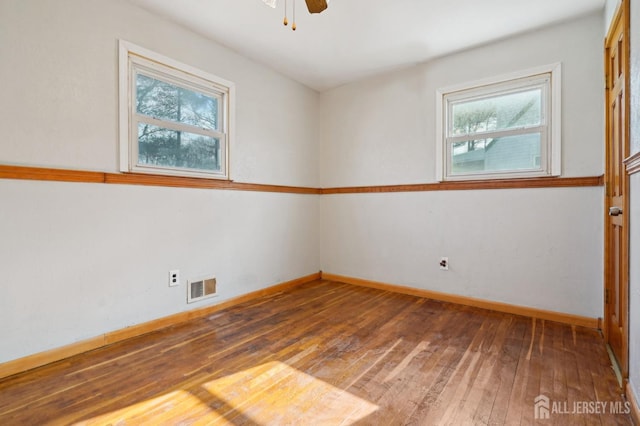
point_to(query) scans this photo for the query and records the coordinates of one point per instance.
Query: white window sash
(182, 171)
(173, 125)
(531, 172)
(497, 134)
(179, 82)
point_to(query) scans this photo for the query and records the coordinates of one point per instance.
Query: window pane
(169, 148)
(501, 112)
(164, 101)
(511, 153)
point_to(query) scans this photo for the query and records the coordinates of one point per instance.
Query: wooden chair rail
(66, 175)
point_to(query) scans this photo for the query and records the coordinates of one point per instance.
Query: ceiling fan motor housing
(316, 6)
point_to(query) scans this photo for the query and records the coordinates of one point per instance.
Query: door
(616, 183)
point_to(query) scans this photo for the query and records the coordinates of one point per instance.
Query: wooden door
(616, 181)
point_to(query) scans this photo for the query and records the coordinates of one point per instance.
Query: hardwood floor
(328, 353)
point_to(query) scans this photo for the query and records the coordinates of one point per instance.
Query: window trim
(551, 151)
(132, 57)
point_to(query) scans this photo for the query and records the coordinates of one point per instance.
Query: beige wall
(539, 247)
(79, 260)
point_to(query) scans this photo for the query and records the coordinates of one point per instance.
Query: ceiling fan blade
(316, 6)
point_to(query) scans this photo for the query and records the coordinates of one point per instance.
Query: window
(174, 119)
(500, 128)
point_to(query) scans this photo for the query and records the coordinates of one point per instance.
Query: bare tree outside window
(162, 146)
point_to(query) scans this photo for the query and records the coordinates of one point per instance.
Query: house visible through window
(501, 129)
(174, 118)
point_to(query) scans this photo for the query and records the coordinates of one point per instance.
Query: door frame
(621, 14)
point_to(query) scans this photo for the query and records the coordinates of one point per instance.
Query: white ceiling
(357, 38)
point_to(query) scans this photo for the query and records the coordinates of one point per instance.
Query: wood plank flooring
(328, 353)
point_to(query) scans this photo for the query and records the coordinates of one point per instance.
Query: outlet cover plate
(174, 278)
(444, 263)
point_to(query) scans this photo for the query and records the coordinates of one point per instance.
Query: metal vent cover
(200, 289)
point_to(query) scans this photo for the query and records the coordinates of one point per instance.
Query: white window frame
(133, 59)
(551, 128)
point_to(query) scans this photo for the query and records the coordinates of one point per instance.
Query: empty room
(310, 212)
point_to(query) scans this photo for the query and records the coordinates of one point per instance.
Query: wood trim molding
(41, 173)
(469, 301)
(546, 182)
(635, 405)
(632, 163)
(65, 175)
(42, 358)
(36, 360)
(185, 182)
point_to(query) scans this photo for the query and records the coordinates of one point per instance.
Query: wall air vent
(201, 289)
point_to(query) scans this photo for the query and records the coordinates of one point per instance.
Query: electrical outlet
(174, 278)
(444, 263)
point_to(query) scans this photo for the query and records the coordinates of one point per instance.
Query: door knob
(615, 211)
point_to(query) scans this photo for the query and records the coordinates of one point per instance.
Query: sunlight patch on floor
(277, 394)
(269, 394)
